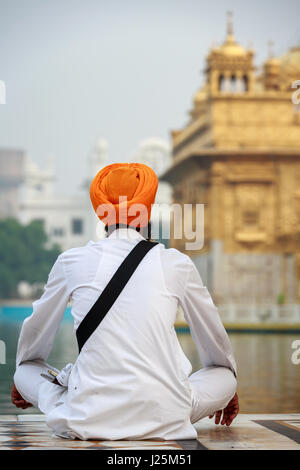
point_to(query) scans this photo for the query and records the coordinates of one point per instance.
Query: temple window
(245, 83)
(77, 226)
(233, 84)
(222, 83)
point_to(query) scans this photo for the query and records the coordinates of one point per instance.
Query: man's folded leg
(212, 390)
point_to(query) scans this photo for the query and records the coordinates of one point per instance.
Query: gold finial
(229, 24)
(271, 49)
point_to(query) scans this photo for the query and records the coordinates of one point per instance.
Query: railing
(262, 314)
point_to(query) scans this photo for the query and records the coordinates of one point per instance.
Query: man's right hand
(18, 400)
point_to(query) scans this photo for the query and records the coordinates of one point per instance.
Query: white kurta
(130, 380)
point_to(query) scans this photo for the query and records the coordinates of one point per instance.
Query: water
(268, 381)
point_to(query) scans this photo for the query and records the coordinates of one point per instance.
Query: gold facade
(239, 154)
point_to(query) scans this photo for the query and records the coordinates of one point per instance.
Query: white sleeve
(39, 330)
(207, 330)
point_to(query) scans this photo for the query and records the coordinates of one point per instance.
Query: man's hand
(229, 413)
(17, 400)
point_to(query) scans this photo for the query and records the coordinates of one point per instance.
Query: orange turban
(123, 193)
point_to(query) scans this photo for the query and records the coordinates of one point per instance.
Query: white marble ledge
(241, 418)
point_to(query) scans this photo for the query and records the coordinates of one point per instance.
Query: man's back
(132, 365)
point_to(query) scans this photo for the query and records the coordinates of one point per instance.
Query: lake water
(268, 381)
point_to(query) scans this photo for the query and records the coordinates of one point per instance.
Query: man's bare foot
(18, 400)
(229, 413)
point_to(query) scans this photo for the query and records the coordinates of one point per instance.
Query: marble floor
(256, 432)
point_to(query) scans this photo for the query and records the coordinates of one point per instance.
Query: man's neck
(145, 232)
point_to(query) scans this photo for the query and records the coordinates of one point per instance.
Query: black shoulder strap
(112, 291)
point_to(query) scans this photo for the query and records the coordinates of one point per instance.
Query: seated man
(131, 379)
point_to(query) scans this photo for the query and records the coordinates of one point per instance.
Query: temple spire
(229, 35)
(271, 49)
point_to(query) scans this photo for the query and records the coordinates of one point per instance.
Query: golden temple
(239, 155)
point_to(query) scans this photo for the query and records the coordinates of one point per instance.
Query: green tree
(24, 255)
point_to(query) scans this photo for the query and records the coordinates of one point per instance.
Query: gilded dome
(290, 62)
(272, 61)
(232, 48)
(272, 66)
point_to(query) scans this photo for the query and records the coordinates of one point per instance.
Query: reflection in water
(268, 382)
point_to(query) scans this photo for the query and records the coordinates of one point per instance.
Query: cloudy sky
(124, 70)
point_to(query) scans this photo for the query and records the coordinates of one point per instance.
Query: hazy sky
(125, 70)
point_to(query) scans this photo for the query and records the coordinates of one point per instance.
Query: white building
(70, 221)
(65, 218)
(11, 178)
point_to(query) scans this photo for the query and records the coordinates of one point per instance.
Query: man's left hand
(229, 413)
